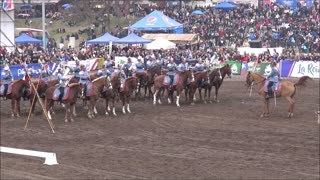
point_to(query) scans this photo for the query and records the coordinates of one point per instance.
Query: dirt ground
(225, 140)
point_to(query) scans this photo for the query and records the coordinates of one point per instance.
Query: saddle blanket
(89, 89)
(9, 91)
(276, 87)
(56, 93)
(167, 80)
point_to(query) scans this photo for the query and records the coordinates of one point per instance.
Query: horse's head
(249, 79)
(116, 80)
(255, 77)
(228, 70)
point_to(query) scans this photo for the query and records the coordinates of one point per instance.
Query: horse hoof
(66, 120)
(210, 102)
(205, 102)
(12, 115)
(192, 104)
(18, 115)
(72, 120)
(217, 101)
(129, 111)
(75, 115)
(261, 115)
(107, 114)
(115, 114)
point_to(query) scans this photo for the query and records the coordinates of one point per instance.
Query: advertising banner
(305, 68)
(235, 67)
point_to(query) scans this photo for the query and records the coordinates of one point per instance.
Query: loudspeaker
(255, 44)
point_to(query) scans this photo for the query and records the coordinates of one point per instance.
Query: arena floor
(226, 140)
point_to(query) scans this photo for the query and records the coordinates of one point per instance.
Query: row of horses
(109, 89)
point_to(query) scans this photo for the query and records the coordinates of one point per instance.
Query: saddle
(276, 87)
(2, 89)
(88, 89)
(167, 80)
(56, 93)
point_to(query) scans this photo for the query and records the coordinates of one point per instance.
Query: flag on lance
(7, 5)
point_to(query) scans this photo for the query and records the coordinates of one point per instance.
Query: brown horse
(15, 96)
(130, 85)
(197, 84)
(41, 87)
(97, 89)
(70, 102)
(155, 70)
(112, 93)
(216, 81)
(287, 90)
(158, 84)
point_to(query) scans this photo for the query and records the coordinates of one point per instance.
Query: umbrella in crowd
(66, 6)
(198, 12)
(25, 6)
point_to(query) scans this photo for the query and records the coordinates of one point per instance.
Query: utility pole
(43, 25)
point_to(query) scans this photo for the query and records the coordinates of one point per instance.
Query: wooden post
(43, 108)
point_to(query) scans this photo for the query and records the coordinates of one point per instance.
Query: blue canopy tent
(198, 12)
(225, 6)
(105, 39)
(25, 6)
(25, 39)
(132, 39)
(156, 21)
(67, 6)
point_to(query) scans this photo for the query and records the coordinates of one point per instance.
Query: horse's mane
(73, 84)
(261, 76)
(131, 78)
(97, 79)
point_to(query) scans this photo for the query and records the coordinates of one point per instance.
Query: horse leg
(209, 94)
(169, 97)
(128, 104)
(13, 107)
(291, 105)
(200, 94)
(90, 109)
(216, 98)
(107, 106)
(265, 108)
(150, 90)
(178, 98)
(72, 108)
(113, 107)
(155, 97)
(123, 99)
(18, 107)
(67, 108)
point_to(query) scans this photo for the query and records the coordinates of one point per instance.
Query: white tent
(161, 43)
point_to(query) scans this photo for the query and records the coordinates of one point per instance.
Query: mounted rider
(171, 71)
(6, 80)
(77, 70)
(139, 66)
(109, 64)
(103, 71)
(118, 70)
(84, 80)
(200, 67)
(62, 83)
(150, 63)
(44, 72)
(27, 74)
(273, 79)
(128, 67)
(183, 66)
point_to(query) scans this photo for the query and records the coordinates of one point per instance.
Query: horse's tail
(302, 81)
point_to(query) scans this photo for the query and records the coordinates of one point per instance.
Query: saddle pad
(9, 89)
(166, 80)
(89, 89)
(56, 93)
(276, 87)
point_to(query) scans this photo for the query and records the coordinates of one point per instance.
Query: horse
(286, 89)
(158, 84)
(125, 94)
(145, 79)
(41, 87)
(216, 81)
(155, 70)
(69, 102)
(93, 96)
(16, 94)
(111, 93)
(196, 84)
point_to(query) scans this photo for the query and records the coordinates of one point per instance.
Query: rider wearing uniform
(62, 83)
(183, 66)
(199, 67)
(109, 65)
(103, 71)
(77, 70)
(44, 73)
(150, 63)
(273, 78)
(139, 66)
(84, 79)
(118, 71)
(127, 66)
(7, 79)
(171, 71)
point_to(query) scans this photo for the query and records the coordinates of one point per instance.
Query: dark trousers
(171, 79)
(270, 84)
(61, 89)
(6, 87)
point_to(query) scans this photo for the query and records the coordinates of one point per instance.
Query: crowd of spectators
(296, 30)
